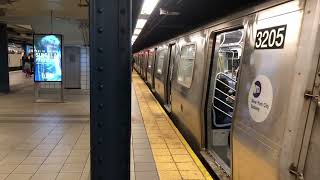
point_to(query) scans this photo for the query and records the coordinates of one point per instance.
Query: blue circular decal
(257, 89)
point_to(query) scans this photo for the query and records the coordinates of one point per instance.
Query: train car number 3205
(271, 38)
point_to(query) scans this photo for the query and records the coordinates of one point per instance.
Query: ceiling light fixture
(137, 31)
(168, 13)
(148, 6)
(146, 10)
(141, 23)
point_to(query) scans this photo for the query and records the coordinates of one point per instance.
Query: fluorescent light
(133, 39)
(141, 23)
(148, 6)
(137, 31)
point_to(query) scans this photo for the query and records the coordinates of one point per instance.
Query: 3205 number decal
(271, 38)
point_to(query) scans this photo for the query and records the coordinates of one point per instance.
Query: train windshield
(225, 67)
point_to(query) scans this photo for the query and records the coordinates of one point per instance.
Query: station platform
(43, 141)
(159, 150)
(51, 141)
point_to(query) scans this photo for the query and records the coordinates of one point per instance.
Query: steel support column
(110, 99)
(4, 69)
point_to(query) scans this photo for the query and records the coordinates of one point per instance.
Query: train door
(171, 59)
(138, 63)
(153, 70)
(161, 73)
(142, 66)
(309, 159)
(225, 65)
(145, 67)
(150, 68)
(147, 64)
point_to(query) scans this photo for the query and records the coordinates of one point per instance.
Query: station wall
(85, 68)
(14, 60)
(84, 71)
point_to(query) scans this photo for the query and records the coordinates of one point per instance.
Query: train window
(186, 64)
(160, 60)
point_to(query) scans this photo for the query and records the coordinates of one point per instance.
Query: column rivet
(101, 86)
(100, 29)
(100, 124)
(100, 68)
(101, 105)
(100, 10)
(100, 140)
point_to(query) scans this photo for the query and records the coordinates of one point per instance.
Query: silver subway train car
(244, 90)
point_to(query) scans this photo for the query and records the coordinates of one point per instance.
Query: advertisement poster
(29, 49)
(47, 57)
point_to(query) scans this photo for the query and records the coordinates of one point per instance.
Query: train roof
(159, 29)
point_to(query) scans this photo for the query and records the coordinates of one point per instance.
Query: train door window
(150, 61)
(224, 77)
(160, 61)
(145, 65)
(186, 65)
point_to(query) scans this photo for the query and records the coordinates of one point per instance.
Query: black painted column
(110, 98)
(4, 68)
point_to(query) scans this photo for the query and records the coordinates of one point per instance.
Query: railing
(224, 101)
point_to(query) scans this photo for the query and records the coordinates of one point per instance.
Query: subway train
(244, 90)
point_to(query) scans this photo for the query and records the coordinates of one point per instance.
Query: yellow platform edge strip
(185, 143)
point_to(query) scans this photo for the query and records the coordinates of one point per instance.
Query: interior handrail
(224, 103)
(225, 93)
(222, 111)
(226, 85)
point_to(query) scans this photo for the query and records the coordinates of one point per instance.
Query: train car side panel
(188, 77)
(265, 84)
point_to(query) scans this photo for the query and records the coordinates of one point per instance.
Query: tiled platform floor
(43, 141)
(44, 151)
(173, 156)
(50, 141)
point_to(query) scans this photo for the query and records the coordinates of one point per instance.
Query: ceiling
(19, 33)
(69, 17)
(192, 14)
(136, 8)
(32, 8)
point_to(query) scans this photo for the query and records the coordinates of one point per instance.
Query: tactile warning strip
(173, 156)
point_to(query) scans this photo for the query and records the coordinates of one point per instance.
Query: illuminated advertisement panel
(47, 57)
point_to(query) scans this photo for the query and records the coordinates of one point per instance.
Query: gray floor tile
(140, 152)
(147, 176)
(143, 158)
(141, 146)
(145, 166)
